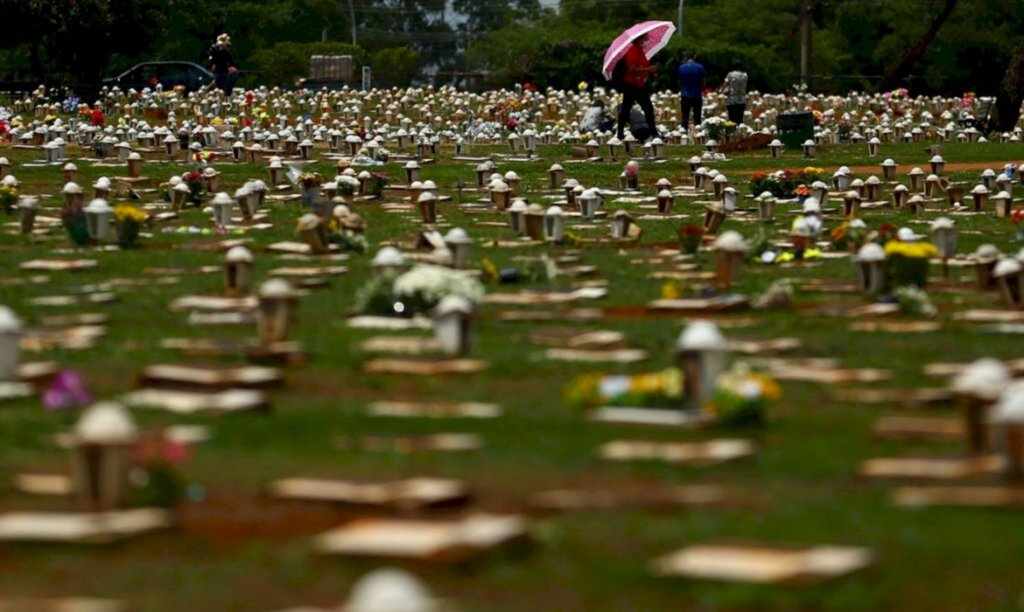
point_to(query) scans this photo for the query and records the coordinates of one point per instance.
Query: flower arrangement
(8, 198)
(349, 241)
(845, 131)
(671, 290)
(912, 250)
(381, 155)
(416, 291)
(1015, 217)
(309, 180)
(158, 456)
(73, 220)
(778, 295)
(540, 270)
(378, 181)
(783, 183)
(742, 397)
(802, 191)
(128, 220)
(907, 262)
(427, 285)
(913, 301)
(66, 391)
(845, 237)
(690, 237)
(897, 94)
(196, 186)
(347, 185)
(654, 389)
(717, 128)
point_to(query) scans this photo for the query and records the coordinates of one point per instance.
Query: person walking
(691, 90)
(225, 71)
(735, 88)
(636, 69)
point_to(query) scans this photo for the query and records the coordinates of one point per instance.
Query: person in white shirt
(735, 88)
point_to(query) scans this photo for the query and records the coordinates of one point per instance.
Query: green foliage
(395, 65)
(286, 63)
(854, 43)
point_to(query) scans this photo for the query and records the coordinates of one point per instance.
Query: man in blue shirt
(691, 89)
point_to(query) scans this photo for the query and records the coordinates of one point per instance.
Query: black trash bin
(795, 128)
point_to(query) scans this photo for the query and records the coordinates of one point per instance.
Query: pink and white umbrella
(659, 33)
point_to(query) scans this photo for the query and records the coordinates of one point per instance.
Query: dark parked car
(169, 74)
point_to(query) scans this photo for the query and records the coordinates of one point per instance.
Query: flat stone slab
(435, 410)
(762, 564)
(184, 402)
(81, 528)
(701, 453)
(403, 495)
(932, 468)
(431, 541)
(59, 265)
(200, 376)
(687, 496)
(413, 367)
(959, 496)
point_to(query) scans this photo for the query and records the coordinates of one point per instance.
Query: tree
(1011, 93)
(899, 70)
(395, 65)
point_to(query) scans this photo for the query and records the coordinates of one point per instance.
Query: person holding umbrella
(637, 71)
(627, 65)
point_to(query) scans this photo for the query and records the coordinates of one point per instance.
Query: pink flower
(67, 390)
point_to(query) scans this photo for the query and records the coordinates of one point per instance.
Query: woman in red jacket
(634, 87)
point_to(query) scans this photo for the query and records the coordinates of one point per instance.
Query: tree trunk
(899, 71)
(1011, 93)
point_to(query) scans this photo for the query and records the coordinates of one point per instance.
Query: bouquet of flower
(196, 186)
(378, 181)
(382, 155)
(350, 241)
(347, 185)
(845, 131)
(423, 287)
(128, 220)
(73, 220)
(844, 237)
(802, 192)
(308, 180)
(718, 129)
(913, 301)
(742, 397)
(907, 262)
(159, 456)
(654, 389)
(8, 198)
(689, 238)
(779, 183)
(778, 295)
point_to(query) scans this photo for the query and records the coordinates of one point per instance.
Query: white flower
(434, 283)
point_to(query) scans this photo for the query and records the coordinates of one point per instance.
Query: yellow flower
(490, 271)
(124, 212)
(671, 291)
(813, 170)
(913, 250)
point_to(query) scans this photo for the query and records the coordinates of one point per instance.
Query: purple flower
(67, 390)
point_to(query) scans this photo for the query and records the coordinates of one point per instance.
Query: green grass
(934, 559)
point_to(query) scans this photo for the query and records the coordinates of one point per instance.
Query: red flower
(1018, 214)
(97, 117)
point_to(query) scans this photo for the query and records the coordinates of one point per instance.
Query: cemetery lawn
(241, 550)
